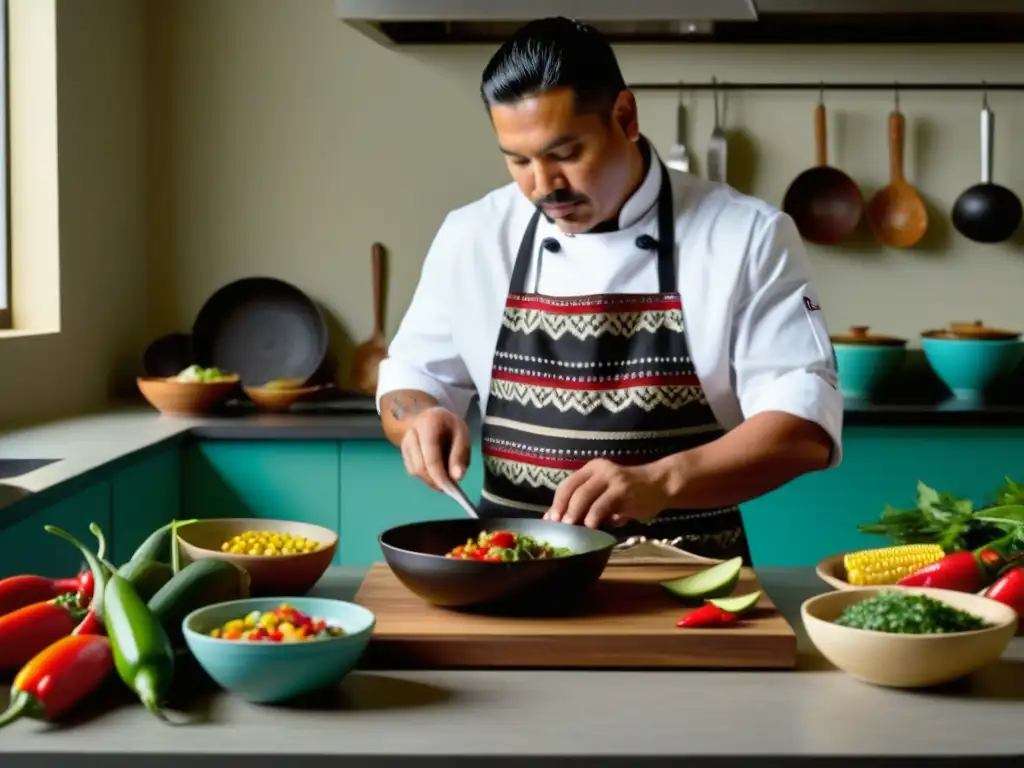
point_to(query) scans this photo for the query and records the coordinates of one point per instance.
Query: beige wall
(101, 225)
(292, 143)
(226, 138)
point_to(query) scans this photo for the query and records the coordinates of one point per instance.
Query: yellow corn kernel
(887, 565)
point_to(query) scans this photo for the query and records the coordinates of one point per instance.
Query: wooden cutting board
(628, 621)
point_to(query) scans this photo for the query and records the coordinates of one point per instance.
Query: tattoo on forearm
(405, 406)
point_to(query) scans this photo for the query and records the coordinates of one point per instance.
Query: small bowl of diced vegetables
(910, 637)
(193, 391)
(272, 649)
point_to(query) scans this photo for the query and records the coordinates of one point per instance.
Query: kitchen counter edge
(85, 445)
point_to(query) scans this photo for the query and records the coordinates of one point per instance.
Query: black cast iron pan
(262, 329)
(987, 212)
(415, 553)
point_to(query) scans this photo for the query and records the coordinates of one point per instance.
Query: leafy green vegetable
(950, 521)
(908, 614)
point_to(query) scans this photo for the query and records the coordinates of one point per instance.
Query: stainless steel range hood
(434, 22)
(446, 21)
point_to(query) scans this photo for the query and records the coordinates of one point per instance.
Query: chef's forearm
(398, 410)
(763, 453)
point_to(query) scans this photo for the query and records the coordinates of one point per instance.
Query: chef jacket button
(550, 244)
(646, 243)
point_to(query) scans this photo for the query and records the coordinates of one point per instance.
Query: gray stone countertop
(754, 717)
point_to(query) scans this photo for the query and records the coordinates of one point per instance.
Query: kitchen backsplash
(284, 143)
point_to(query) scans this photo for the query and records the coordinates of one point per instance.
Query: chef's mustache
(560, 197)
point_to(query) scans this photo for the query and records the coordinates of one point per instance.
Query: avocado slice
(737, 603)
(717, 581)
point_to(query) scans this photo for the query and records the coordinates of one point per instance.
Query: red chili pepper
(1009, 589)
(966, 571)
(18, 591)
(27, 631)
(59, 677)
(708, 615)
(90, 625)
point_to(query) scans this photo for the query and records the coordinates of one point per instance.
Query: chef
(647, 347)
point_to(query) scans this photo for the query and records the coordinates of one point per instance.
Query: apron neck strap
(666, 242)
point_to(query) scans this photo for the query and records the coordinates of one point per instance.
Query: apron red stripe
(618, 381)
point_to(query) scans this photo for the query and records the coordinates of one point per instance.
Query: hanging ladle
(896, 213)
(987, 212)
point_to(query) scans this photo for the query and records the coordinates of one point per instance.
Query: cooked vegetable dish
(284, 624)
(908, 614)
(506, 546)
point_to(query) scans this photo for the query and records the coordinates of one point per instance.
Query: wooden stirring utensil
(896, 213)
(369, 354)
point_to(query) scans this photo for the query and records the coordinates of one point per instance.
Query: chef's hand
(436, 447)
(603, 493)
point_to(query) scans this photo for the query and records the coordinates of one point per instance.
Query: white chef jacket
(757, 336)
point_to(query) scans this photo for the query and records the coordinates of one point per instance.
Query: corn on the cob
(887, 565)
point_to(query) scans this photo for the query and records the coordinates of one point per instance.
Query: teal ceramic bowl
(865, 361)
(969, 367)
(273, 672)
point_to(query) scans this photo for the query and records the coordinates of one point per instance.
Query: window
(5, 176)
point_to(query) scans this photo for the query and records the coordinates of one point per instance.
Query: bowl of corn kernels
(282, 557)
(274, 649)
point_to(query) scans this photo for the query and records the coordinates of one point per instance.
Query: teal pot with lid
(970, 358)
(866, 360)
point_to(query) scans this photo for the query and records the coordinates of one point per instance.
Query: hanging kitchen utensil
(262, 329)
(369, 354)
(896, 213)
(678, 155)
(718, 146)
(987, 212)
(826, 204)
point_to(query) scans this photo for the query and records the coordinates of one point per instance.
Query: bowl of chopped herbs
(911, 637)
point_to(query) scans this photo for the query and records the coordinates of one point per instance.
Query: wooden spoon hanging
(896, 213)
(369, 354)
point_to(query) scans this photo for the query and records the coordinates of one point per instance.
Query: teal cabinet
(377, 493)
(145, 496)
(817, 515)
(282, 480)
(27, 548)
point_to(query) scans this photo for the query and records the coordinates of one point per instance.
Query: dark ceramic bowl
(416, 554)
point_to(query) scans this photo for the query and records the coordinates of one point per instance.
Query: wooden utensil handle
(896, 127)
(820, 135)
(378, 287)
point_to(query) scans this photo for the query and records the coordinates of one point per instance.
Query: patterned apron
(605, 376)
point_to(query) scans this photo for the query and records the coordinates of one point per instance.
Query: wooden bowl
(908, 661)
(271, 575)
(185, 397)
(277, 399)
(832, 571)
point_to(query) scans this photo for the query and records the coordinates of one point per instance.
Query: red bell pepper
(59, 677)
(27, 631)
(18, 591)
(1009, 589)
(708, 615)
(967, 571)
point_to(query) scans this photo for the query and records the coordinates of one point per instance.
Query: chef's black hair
(552, 53)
